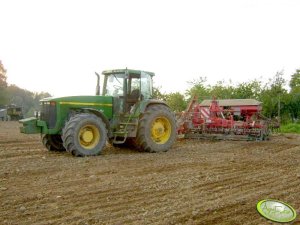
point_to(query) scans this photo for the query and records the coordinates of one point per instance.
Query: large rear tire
(157, 129)
(53, 142)
(84, 134)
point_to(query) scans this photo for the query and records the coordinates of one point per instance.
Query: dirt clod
(22, 209)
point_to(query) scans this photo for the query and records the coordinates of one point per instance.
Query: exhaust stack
(98, 84)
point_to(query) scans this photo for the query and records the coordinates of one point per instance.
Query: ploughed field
(195, 182)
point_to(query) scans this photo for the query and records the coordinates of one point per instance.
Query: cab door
(133, 95)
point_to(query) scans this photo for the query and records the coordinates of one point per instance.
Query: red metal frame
(215, 119)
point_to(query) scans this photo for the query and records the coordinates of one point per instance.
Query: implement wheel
(157, 130)
(84, 135)
(53, 142)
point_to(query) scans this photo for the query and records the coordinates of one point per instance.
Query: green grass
(290, 128)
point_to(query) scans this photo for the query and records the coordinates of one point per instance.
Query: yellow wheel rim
(89, 136)
(161, 130)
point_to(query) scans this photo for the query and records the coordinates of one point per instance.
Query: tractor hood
(55, 111)
(81, 100)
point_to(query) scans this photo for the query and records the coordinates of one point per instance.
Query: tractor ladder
(125, 129)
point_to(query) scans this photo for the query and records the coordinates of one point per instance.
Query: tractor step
(120, 134)
(124, 129)
(133, 124)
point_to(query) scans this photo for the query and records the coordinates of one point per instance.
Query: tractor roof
(137, 72)
(232, 102)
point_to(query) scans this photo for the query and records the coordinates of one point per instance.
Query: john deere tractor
(125, 113)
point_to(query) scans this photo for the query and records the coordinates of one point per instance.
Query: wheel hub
(161, 130)
(87, 136)
(158, 130)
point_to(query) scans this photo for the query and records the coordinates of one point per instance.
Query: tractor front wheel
(84, 134)
(157, 129)
(53, 142)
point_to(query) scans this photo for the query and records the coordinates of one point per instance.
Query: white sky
(56, 45)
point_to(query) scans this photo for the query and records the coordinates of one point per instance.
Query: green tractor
(14, 112)
(125, 114)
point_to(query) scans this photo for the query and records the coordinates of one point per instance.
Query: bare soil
(196, 182)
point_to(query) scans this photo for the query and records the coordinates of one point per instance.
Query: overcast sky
(56, 45)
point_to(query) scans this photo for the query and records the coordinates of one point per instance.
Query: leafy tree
(295, 81)
(199, 88)
(28, 100)
(12, 94)
(250, 89)
(38, 96)
(3, 77)
(3, 85)
(274, 96)
(222, 91)
(157, 94)
(293, 101)
(20, 97)
(176, 101)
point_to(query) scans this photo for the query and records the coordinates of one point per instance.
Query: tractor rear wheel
(84, 134)
(157, 129)
(53, 142)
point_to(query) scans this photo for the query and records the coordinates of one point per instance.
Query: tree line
(280, 98)
(13, 95)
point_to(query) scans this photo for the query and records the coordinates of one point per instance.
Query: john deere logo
(276, 211)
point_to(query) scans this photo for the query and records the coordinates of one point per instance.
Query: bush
(290, 128)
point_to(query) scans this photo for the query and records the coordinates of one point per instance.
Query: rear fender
(145, 104)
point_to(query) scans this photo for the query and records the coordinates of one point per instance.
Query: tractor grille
(48, 113)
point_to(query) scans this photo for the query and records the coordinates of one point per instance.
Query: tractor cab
(127, 87)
